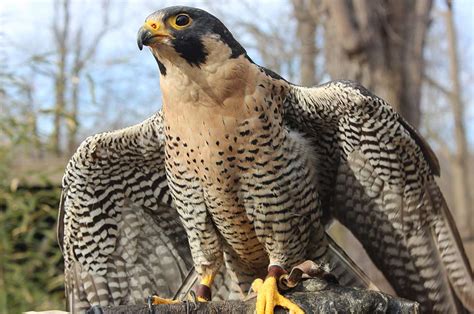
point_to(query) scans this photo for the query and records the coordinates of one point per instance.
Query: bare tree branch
(437, 85)
(61, 32)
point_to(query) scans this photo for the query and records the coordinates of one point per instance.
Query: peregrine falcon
(248, 169)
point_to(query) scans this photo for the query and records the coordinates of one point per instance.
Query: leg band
(203, 291)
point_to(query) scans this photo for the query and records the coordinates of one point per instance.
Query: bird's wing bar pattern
(428, 153)
(345, 269)
(384, 190)
(121, 237)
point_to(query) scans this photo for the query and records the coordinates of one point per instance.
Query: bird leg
(203, 292)
(268, 296)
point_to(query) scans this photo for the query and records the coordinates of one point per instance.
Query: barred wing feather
(377, 177)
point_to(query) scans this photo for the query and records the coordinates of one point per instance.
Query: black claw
(193, 296)
(151, 309)
(191, 305)
(186, 303)
(330, 278)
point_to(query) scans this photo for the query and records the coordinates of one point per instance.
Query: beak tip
(141, 37)
(145, 37)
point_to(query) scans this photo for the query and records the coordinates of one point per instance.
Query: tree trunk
(35, 151)
(82, 55)
(307, 22)
(380, 45)
(73, 122)
(460, 165)
(61, 33)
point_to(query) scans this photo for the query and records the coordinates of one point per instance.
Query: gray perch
(313, 295)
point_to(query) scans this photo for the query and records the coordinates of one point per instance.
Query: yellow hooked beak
(151, 32)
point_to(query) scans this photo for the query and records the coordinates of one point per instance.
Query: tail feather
(345, 270)
(449, 244)
(423, 257)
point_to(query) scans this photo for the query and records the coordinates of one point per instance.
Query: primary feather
(117, 224)
(379, 180)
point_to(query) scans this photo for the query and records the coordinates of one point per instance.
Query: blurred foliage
(31, 267)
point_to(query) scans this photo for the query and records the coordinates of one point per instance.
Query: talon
(193, 300)
(150, 305)
(192, 296)
(268, 297)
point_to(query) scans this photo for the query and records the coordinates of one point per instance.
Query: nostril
(153, 25)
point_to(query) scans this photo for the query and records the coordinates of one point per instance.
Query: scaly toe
(287, 304)
(268, 297)
(257, 284)
(155, 300)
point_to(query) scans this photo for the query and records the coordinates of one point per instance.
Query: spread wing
(377, 177)
(121, 238)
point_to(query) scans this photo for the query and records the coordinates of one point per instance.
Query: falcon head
(187, 37)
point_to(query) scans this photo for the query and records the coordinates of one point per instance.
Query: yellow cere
(153, 25)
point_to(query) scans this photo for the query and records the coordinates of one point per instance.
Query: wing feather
(377, 178)
(120, 235)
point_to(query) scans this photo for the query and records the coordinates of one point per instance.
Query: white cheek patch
(217, 52)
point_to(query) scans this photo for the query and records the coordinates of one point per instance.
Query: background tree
(460, 160)
(61, 35)
(447, 110)
(72, 44)
(379, 44)
(307, 19)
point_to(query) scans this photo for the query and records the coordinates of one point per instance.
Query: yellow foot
(155, 300)
(268, 297)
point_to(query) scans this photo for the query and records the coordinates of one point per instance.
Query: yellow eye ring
(180, 21)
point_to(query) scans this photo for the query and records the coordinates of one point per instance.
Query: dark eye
(182, 20)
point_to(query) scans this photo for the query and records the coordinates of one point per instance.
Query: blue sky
(126, 79)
